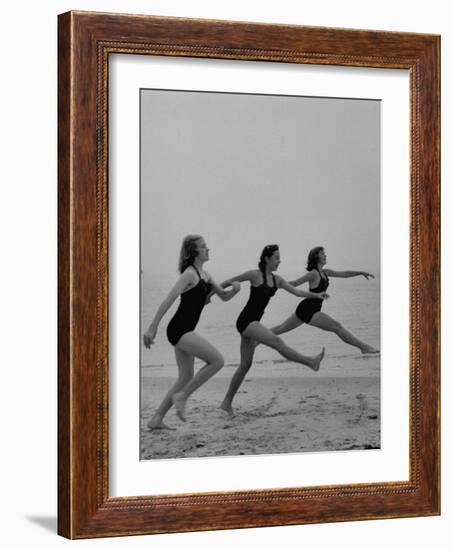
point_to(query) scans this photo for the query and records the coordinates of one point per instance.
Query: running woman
(263, 286)
(309, 311)
(194, 286)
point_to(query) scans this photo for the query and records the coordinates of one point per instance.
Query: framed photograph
(249, 261)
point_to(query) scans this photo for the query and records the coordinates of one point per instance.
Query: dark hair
(267, 252)
(188, 252)
(313, 257)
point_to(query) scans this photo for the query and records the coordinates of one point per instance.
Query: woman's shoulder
(189, 274)
(279, 281)
(207, 276)
(313, 275)
(251, 272)
(255, 276)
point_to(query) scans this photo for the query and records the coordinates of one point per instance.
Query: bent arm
(220, 291)
(347, 274)
(300, 293)
(309, 276)
(245, 276)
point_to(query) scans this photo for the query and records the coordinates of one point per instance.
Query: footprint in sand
(260, 411)
(362, 400)
(363, 405)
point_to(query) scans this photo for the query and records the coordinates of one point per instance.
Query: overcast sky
(249, 170)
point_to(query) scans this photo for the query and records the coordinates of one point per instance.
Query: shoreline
(331, 367)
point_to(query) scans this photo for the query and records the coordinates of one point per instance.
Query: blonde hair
(188, 252)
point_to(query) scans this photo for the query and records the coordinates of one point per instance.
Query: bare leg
(247, 348)
(185, 363)
(325, 322)
(264, 335)
(197, 346)
(289, 324)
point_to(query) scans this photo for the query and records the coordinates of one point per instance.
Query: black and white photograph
(225, 233)
(259, 275)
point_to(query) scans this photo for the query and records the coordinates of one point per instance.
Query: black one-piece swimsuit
(309, 306)
(187, 315)
(257, 302)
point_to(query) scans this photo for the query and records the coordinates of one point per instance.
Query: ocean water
(354, 302)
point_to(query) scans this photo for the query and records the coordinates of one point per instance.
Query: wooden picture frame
(85, 42)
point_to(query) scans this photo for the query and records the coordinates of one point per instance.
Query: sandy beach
(289, 413)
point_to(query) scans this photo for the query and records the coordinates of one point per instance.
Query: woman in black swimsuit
(194, 286)
(248, 324)
(309, 311)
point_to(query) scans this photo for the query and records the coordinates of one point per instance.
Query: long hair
(267, 252)
(313, 258)
(188, 252)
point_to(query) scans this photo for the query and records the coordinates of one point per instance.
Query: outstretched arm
(348, 274)
(309, 276)
(220, 291)
(245, 276)
(184, 280)
(300, 293)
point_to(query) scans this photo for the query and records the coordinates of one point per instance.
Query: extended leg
(289, 324)
(264, 335)
(325, 322)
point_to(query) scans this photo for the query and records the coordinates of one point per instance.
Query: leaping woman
(309, 310)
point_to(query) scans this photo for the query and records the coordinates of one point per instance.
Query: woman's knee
(336, 327)
(217, 361)
(185, 377)
(276, 342)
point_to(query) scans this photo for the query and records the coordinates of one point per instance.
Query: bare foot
(158, 425)
(179, 401)
(317, 360)
(227, 407)
(369, 349)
